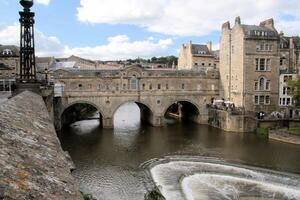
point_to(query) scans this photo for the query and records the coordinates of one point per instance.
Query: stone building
(289, 69)
(9, 66)
(249, 65)
(195, 56)
(289, 54)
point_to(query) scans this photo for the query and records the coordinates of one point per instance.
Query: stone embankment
(32, 162)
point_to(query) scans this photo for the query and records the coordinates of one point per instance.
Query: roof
(44, 59)
(250, 30)
(15, 50)
(64, 65)
(200, 49)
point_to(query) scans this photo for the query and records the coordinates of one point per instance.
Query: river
(108, 161)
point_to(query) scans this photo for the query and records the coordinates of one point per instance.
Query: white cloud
(44, 2)
(185, 18)
(45, 45)
(120, 47)
(117, 47)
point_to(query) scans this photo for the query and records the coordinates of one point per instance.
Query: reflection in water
(107, 161)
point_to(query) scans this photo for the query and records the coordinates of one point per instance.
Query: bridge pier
(156, 121)
(108, 123)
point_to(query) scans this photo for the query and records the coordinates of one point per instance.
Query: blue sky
(119, 29)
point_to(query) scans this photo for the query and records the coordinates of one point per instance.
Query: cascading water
(204, 180)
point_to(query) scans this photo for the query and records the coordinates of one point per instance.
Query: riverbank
(285, 135)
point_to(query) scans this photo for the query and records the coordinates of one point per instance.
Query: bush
(262, 132)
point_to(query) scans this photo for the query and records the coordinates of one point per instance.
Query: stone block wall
(32, 162)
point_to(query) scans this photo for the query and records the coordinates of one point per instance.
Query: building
(9, 66)
(249, 65)
(289, 69)
(289, 54)
(195, 56)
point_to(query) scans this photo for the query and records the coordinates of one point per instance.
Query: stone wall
(32, 163)
(229, 122)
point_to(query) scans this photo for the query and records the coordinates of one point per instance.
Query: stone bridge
(153, 90)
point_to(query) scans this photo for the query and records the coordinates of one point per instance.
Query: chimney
(292, 46)
(226, 25)
(237, 20)
(209, 46)
(269, 23)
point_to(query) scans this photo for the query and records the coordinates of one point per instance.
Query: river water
(108, 161)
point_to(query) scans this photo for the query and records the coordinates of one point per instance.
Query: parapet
(33, 164)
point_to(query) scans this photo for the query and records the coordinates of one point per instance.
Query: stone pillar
(156, 121)
(108, 123)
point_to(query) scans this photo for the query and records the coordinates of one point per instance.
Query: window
(133, 83)
(167, 86)
(283, 101)
(268, 64)
(158, 86)
(284, 90)
(261, 100)
(267, 100)
(262, 64)
(256, 100)
(281, 62)
(280, 101)
(262, 82)
(203, 64)
(268, 85)
(256, 86)
(288, 101)
(143, 86)
(150, 87)
(182, 86)
(80, 85)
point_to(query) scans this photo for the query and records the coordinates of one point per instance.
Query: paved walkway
(283, 136)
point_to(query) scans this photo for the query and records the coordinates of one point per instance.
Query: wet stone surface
(32, 163)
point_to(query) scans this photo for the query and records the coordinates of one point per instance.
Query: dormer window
(201, 52)
(7, 52)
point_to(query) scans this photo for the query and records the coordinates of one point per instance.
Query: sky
(123, 29)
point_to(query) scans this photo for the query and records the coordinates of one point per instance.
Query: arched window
(262, 82)
(133, 83)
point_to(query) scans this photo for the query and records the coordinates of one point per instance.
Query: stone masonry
(32, 163)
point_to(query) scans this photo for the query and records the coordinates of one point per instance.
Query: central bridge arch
(146, 111)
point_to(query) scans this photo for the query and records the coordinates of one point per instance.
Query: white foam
(202, 179)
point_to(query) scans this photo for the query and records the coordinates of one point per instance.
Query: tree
(294, 86)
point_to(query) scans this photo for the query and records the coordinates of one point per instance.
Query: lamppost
(27, 53)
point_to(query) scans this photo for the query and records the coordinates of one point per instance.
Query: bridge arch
(146, 111)
(184, 109)
(79, 110)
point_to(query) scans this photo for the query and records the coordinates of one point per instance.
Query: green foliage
(87, 196)
(295, 90)
(262, 132)
(294, 130)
